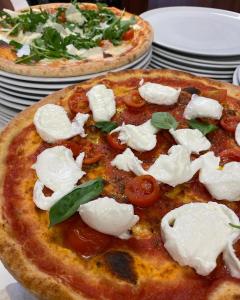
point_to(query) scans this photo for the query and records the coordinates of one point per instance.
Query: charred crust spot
(4, 44)
(192, 90)
(121, 264)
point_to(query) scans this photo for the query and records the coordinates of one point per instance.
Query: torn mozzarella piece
(192, 139)
(127, 161)
(92, 53)
(52, 123)
(24, 50)
(57, 170)
(108, 216)
(74, 15)
(196, 234)
(223, 183)
(237, 134)
(159, 94)
(101, 102)
(174, 168)
(140, 138)
(200, 107)
(26, 38)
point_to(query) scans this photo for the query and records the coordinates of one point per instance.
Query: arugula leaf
(234, 226)
(69, 204)
(15, 44)
(205, 128)
(106, 126)
(163, 120)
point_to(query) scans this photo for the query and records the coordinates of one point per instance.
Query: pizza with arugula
(126, 186)
(58, 40)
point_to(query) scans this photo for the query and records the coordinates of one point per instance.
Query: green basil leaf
(106, 126)
(234, 226)
(163, 120)
(69, 204)
(205, 128)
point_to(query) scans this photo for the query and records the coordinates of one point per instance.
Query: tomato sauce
(168, 280)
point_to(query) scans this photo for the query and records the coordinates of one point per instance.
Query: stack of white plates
(202, 41)
(17, 92)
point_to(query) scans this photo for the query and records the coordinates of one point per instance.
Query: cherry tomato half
(133, 99)
(92, 154)
(128, 35)
(142, 191)
(229, 123)
(62, 17)
(74, 146)
(85, 240)
(78, 101)
(229, 155)
(114, 142)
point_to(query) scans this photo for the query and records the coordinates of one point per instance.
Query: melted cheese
(74, 15)
(159, 94)
(196, 234)
(117, 50)
(237, 134)
(199, 107)
(127, 161)
(24, 50)
(108, 216)
(52, 123)
(192, 139)
(222, 183)
(57, 170)
(140, 138)
(101, 102)
(92, 53)
(174, 168)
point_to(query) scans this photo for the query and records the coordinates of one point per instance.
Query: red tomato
(78, 102)
(128, 35)
(115, 142)
(62, 17)
(85, 240)
(229, 155)
(74, 146)
(133, 99)
(229, 123)
(143, 191)
(92, 154)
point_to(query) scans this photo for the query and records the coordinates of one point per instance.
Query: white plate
(189, 67)
(76, 78)
(213, 61)
(185, 69)
(196, 30)
(5, 276)
(10, 112)
(16, 99)
(12, 104)
(164, 66)
(20, 94)
(26, 90)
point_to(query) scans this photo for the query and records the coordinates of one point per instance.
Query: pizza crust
(11, 254)
(60, 68)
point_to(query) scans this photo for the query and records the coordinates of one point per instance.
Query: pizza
(125, 186)
(58, 40)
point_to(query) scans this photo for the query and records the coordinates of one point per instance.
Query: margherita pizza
(125, 187)
(58, 40)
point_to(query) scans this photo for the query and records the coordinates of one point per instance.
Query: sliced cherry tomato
(85, 240)
(128, 35)
(105, 43)
(143, 191)
(78, 102)
(229, 155)
(217, 94)
(133, 99)
(74, 146)
(229, 123)
(92, 154)
(115, 142)
(62, 17)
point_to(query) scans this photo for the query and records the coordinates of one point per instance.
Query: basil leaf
(234, 226)
(15, 44)
(163, 120)
(205, 128)
(69, 204)
(106, 126)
